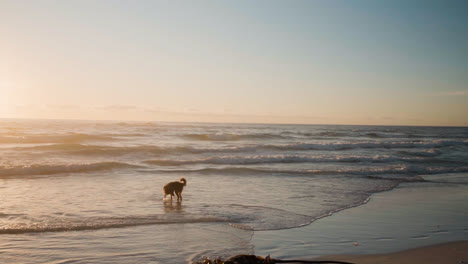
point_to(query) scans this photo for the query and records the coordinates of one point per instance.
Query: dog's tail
(183, 180)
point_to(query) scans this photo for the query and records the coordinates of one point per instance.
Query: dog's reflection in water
(172, 207)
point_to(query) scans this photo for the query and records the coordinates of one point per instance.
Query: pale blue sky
(335, 62)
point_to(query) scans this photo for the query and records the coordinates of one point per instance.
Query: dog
(175, 187)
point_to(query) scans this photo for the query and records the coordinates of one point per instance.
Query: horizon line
(216, 122)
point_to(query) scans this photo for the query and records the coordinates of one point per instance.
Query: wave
(38, 169)
(40, 139)
(231, 137)
(374, 135)
(392, 135)
(368, 171)
(66, 225)
(337, 134)
(258, 218)
(416, 178)
(284, 135)
(423, 153)
(111, 150)
(80, 149)
(370, 144)
(332, 134)
(240, 216)
(265, 159)
(86, 150)
(382, 134)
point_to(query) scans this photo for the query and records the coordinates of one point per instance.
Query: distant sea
(91, 191)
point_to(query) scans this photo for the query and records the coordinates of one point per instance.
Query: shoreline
(411, 215)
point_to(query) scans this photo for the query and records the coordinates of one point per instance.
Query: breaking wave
(367, 171)
(38, 169)
(231, 137)
(423, 153)
(73, 148)
(292, 135)
(94, 223)
(331, 134)
(265, 159)
(309, 135)
(371, 144)
(81, 149)
(85, 150)
(237, 215)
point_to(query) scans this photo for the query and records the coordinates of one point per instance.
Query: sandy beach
(454, 252)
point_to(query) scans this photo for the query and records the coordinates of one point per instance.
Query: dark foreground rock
(252, 259)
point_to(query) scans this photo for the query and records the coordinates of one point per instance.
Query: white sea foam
(262, 159)
(95, 223)
(411, 171)
(48, 169)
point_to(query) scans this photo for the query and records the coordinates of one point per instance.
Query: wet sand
(453, 252)
(412, 216)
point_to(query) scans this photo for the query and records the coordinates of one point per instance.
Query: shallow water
(91, 192)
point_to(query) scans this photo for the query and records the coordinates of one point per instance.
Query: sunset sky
(318, 62)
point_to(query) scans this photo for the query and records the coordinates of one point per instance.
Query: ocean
(91, 191)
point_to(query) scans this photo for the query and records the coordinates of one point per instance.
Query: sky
(310, 62)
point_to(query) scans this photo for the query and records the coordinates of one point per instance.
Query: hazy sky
(323, 62)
